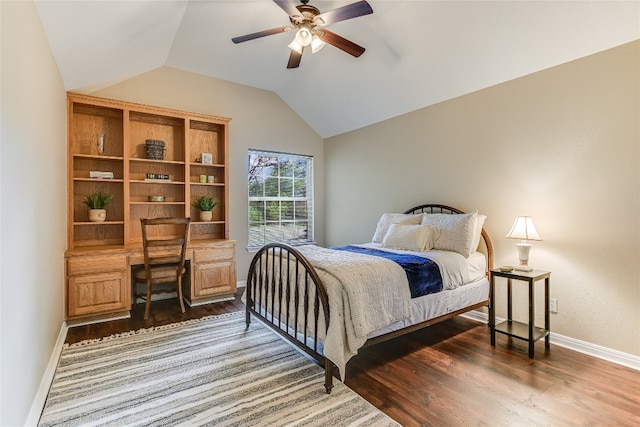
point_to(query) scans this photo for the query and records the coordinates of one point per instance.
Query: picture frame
(206, 158)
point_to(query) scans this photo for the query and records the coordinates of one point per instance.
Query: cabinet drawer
(225, 252)
(138, 258)
(96, 264)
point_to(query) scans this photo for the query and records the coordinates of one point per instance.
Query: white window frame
(283, 229)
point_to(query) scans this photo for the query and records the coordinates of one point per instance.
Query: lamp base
(523, 255)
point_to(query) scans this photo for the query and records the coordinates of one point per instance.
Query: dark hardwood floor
(449, 375)
(163, 312)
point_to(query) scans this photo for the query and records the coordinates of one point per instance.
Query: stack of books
(162, 177)
(100, 175)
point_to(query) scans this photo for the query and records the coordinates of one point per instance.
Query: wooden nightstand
(528, 332)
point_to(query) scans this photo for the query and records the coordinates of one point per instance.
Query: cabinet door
(98, 293)
(215, 278)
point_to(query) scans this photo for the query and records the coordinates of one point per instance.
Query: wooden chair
(164, 242)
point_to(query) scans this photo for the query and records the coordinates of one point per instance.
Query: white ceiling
(418, 52)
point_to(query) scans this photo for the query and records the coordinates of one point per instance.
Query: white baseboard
(43, 390)
(608, 354)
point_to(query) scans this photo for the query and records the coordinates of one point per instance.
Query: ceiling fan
(309, 23)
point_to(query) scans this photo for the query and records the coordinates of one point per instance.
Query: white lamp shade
(316, 44)
(304, 36)
(523, 229)
(294, 45)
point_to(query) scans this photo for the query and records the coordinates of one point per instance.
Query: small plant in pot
(206, 205)
(97, 203)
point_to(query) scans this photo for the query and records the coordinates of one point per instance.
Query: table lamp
(524, 230)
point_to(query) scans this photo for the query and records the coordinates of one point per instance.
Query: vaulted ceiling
(417, 52)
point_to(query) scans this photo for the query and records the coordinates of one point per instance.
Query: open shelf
(520, 330)
(124, 128)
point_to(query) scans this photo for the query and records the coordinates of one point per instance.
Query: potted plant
(97, 203)
(206, 205)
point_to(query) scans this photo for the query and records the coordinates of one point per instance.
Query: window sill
(254, 249)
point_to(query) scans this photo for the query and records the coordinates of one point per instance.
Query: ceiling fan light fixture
(294, 45)
(316, 44)
(303, 36)
(308, 23)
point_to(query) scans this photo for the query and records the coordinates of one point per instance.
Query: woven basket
(154, 149)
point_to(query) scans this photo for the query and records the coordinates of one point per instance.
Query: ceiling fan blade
(294, 59)
(288, 7)
(259, 34)
(340, 42)
(343, 13)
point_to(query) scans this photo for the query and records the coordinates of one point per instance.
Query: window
(280, 198)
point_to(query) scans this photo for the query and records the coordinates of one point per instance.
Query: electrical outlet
(553, 305)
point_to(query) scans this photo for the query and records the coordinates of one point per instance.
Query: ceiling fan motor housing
(308, 13)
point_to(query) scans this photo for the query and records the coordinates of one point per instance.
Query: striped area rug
(210, 371)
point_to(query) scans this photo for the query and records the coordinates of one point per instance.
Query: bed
(423, 266)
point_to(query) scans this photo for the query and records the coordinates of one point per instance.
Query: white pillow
(393, 218)
(456, 231)
(477, 234)
(410, 237)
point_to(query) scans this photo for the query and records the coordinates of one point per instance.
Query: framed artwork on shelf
(206, 158)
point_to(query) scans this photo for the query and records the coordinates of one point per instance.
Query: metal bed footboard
(285, 293)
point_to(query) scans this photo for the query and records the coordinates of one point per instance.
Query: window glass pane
(272, 232)
(286, 167)
(286, 187)
(302, 230)
(271, 187)
(301, 210)
(273, 211)
(256, 211)
(286, 211)
(300, 188)
(300, 168)
(256, 188)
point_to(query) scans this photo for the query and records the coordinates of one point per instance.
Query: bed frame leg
(248, 318)
(328, 375)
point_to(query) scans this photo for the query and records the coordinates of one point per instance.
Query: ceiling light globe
(316, 44)
(294, 45)
(304, 36)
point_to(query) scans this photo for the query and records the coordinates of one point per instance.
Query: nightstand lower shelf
(520, 330)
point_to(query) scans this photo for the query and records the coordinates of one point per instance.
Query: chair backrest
(164, 241)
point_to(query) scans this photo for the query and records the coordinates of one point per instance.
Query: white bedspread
(366, 295)
(355, 283)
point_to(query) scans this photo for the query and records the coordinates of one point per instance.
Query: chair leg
(180, 293)
(147, 307)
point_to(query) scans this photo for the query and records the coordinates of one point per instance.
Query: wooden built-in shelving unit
(125, 127)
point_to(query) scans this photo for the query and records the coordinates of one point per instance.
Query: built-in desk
(98, 278)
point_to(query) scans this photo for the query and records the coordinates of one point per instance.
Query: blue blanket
(423, 274)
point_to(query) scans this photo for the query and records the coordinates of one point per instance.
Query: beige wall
(33, 208)
(561, 145)
(259, 119)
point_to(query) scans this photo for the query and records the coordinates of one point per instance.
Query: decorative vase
(206, 215)
(100, 143)
(97, 215)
